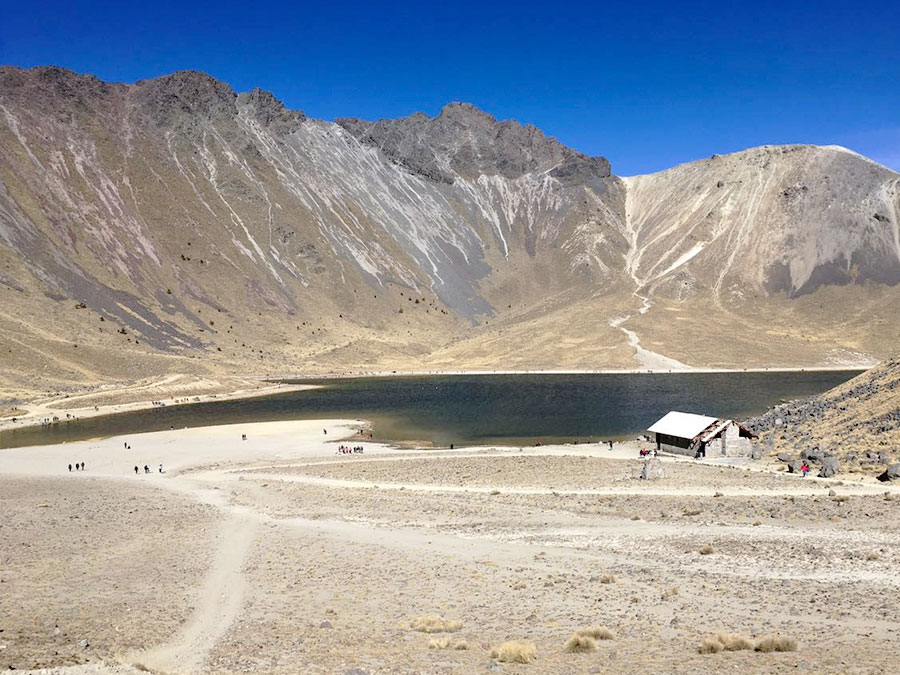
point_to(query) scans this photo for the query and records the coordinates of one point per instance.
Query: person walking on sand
(135, 470)
(160, 468)
(82, 466)
(70, 468)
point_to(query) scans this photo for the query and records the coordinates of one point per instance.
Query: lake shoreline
(602, 371)
(383, 400)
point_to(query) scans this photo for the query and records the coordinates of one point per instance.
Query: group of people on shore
(146, 469)
(78, 467)
(347, 450)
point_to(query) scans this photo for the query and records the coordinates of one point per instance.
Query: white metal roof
(682, 425)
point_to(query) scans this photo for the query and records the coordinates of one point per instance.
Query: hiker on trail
(804, 469)
(146, 469)
(160, 468)
(82, 466)
(70, 468)
(135, 469)
(125, 444)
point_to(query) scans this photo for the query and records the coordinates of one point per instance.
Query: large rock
(653, 469)
(785, 457)
(794, 466)
(830, 466)
(891, 473)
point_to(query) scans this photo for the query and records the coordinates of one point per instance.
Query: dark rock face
(270, 112)
(468, 142)
(890, 474)
(185, 100)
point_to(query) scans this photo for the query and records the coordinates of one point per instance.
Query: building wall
(674, 444)
(734, 444)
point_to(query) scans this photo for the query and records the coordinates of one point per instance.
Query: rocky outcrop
(858, 421)
(464, 141)
(652, 469)
(830, 467)
(891, 473)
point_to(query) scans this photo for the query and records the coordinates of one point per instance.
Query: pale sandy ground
(276, 554)
(169, 390)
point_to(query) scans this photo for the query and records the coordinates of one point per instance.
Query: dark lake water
(476, 409)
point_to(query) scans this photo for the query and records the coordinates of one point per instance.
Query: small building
(702, 436)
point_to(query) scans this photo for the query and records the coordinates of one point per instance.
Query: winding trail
(218, 605)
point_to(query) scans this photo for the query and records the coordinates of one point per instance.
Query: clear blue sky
(649, 86)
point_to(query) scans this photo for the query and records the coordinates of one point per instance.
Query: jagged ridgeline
(175, 225)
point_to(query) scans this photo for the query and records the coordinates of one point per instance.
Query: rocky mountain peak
(465, 141)
(271, 112)
(185, 97)
(52, 88)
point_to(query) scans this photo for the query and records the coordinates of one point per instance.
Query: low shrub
(515, 651)
(775, 643)
(435, 624)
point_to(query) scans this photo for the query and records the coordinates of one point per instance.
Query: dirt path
(218, 605)
(685, 491)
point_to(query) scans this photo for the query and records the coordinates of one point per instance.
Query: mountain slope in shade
(174, 225)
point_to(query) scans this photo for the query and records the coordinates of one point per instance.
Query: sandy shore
(279, 554)
(168, 391)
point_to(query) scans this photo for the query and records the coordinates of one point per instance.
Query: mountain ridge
(453, 240)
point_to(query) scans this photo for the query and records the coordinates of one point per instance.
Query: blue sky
(648, 86)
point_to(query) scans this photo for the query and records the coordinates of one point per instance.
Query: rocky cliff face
(173, 224)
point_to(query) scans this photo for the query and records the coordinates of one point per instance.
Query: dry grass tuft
(435, 624)
(596, 632)
(733, 642)
(579, 644)
(775, 643)
(515, 651)
(607, 578)
(872, 555)
(692, 512)
(706, 550)
(446, 643)
(710, 646)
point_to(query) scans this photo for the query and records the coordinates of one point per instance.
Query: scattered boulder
(653, 469)
(785, 457)
(795, 466)
(814, 455)
(891, 473)
(830, 466)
